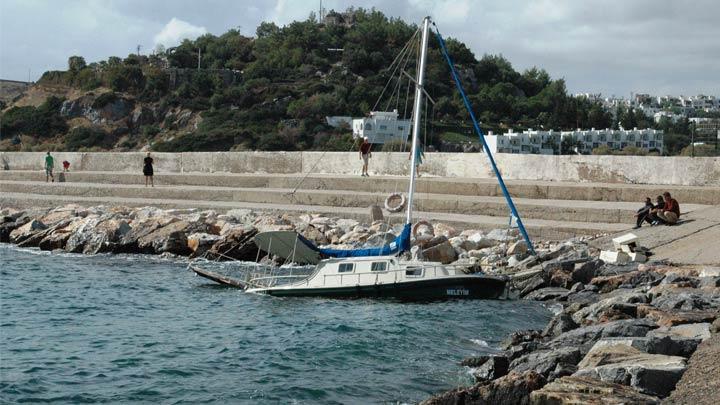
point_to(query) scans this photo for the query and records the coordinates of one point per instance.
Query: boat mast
(417, 110)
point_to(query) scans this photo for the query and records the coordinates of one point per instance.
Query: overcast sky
(607, 46)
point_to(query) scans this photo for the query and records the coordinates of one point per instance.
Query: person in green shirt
(49, 165)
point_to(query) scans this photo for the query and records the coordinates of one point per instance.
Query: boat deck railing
(405, 273)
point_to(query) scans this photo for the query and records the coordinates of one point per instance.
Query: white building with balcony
(550, 142)
(381, 127)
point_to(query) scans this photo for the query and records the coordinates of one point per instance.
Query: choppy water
(124, 329)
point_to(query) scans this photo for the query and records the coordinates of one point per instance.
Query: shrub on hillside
(211, 141)
(87, 137)
(43, 121)
(104, 99)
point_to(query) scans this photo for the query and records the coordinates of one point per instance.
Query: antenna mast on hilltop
(320, 13)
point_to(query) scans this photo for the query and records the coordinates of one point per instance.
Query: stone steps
(538, 228)
(559, 210)
(611, 192)
(553, 210)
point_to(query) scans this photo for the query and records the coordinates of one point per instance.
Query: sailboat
(379, 271)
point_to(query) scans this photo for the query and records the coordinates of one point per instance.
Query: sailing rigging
(383, 271)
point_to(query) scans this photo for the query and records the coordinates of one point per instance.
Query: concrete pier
(600, 203)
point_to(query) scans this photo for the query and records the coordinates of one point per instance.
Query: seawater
(139, 329)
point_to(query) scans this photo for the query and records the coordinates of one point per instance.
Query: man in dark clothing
(643, 214)
(659, 204)
(670, 213)
(365, 155)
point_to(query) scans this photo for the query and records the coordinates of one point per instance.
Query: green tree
(76, 63)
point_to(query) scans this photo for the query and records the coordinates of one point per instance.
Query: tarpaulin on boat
(400, 244)
(296, 248)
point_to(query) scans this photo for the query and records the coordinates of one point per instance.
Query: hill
(273, 91)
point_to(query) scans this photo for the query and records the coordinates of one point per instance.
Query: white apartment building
(549, 142)
(658, 116)
(381, 127)
(530, 141)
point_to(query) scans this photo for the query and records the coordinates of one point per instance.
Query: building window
(346, 267)
(401, 128)
(368, 127)
(383, 127)
(652, 144)
(595, 145)
(631, 138)
(378, 266)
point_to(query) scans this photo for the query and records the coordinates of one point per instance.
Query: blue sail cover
(400, 244)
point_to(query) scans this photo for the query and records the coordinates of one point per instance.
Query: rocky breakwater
(228, 236)
(620, 334)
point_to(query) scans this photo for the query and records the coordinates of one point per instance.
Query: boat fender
(420, 224)
(392, 197)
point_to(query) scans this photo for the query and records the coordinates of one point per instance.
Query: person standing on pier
(419, 156)
(365, 155)
(49, 165)
(148, 170)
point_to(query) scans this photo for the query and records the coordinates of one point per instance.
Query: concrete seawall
(604, 169)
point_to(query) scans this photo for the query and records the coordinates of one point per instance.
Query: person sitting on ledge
(643, 214)
(670, 213)
(659, 205)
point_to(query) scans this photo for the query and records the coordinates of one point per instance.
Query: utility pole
(138, 49)
(199, 51)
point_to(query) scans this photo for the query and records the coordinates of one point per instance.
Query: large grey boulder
(200, 242)
(442, 252)
(584, 272)
(25, 231)
(171, 238)
(548, 293)
(546, 361)
(652, 374)
(588, 391)
(559, 324)
(683, 301)
(585, 337)
(656, 342)
(488, 367)
(104, 236)
(692, 331)
(512, 389)
(82, 232)
(237, 245)
(626, 301)
(140, 228)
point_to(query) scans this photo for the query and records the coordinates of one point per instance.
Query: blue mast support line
(479, 131)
